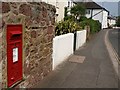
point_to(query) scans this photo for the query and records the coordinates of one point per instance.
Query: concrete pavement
(95, 72)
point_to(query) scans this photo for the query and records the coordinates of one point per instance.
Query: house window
(87, 11)
(68, 4)
(71, 4)
(57, 4)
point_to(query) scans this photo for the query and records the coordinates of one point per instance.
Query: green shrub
(95, 26)
(82, 18)
(67, 26)
(69, 17)
(78, 10)
(118, 22)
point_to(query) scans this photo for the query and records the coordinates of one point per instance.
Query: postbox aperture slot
(15, 34)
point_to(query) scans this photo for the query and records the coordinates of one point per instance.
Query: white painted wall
(98, 16)
(105, 19)
(111, 22)
(88, 15)
(62, 48)
(81, 38)
(61, 11)
(102, 17)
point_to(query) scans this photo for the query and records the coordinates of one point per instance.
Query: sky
(106, 0)
(110, 5)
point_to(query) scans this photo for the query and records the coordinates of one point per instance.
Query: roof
(92, 5)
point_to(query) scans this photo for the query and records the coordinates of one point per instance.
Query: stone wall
(0, 47)
(38, 21)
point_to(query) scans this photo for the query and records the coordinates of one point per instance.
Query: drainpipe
(91, 14)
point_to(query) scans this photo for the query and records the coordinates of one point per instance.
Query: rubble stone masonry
(37, 19)
(0, 46)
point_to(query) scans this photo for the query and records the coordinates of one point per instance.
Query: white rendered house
(111, 21)
(96, 12)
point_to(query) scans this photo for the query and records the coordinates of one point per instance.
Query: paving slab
(77, 59)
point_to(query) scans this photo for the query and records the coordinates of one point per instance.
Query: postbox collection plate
(14, 54)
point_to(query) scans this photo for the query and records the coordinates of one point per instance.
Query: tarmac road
(114, 37)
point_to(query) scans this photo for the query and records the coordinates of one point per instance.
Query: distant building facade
(60, 7)
(96, 12)
(111, 21)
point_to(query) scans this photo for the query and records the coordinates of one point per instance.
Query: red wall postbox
(14, 54)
